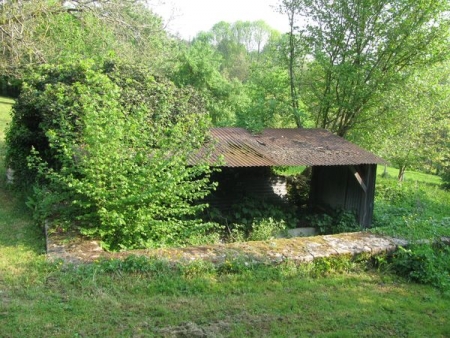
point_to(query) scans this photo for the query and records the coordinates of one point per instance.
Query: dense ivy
(107, 146)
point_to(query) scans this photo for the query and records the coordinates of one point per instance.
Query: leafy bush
(298, 187)
(338, 221)
(418, 212)
(251, 218)
(424, 263)
(110, 142)
(412, 210)
(266, 228)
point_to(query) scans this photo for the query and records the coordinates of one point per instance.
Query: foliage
(361, 49)
(47, 31)
(298, 187)
(240, 44)
(110, 142)
(416, 211)
(151, 297)
(5, 108)
(413, 125)
(199, 66)
(446, 178)
(267, 86)
(252, 218)
(247, 57)
(334, 222)
(288, 171)
(269, 105)
(412, 210)
(294, 53)
(266, 228)
(424, 263)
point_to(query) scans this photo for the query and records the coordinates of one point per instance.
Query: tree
(268, 99)
(240, 44)
(45, 31)
(415, 125)
(199, 67)
(239, 66)
(360, 49)
(290, 8)
(262, 33)
(268, 91)
(106, 149)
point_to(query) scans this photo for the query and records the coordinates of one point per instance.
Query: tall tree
(268, 99)
(199, 66)
(290, 8)
(415, 126)
(240, 43)
(363, 48)
(42, 31)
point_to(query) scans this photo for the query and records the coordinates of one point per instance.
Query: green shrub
(251, 218)
(424, 263)
(251, 209)
(337, 221)
(412, 210)
(236, 265)
(198, 268)
(418, 212)
(106, 147)
(298, 187)
(266, 228)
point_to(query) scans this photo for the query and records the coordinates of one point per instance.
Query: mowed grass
(42, 299)
(265, 302)
(412, 176)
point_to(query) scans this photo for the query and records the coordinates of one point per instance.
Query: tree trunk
(385, 173)
(294, 98)
(401, 173)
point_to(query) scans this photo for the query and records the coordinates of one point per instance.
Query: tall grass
(418, 210)
(413, 209)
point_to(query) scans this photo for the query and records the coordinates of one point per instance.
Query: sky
(189, 17)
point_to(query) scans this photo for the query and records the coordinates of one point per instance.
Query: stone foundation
(74, 249)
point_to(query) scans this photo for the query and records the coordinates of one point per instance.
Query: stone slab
(76, 250)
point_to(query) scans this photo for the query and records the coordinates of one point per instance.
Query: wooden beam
(358, 178)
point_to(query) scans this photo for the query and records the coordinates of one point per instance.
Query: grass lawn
(42, 299)
(413, 176)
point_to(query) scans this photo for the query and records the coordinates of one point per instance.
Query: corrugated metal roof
(286, 147)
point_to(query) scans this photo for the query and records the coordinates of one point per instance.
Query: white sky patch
(189, 17)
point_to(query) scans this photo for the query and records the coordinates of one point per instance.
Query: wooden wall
(349, 187)
(236, 183)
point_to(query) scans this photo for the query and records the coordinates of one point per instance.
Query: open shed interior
(342, 174)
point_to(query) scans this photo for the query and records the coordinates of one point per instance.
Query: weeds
(339, 221)
(424, 263)
(253, 219)
(418, 212)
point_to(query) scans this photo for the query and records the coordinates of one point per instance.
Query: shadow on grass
(6, 101)
(16, 224)
(17, 228)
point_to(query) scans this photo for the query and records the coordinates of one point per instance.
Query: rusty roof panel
(286, 147)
